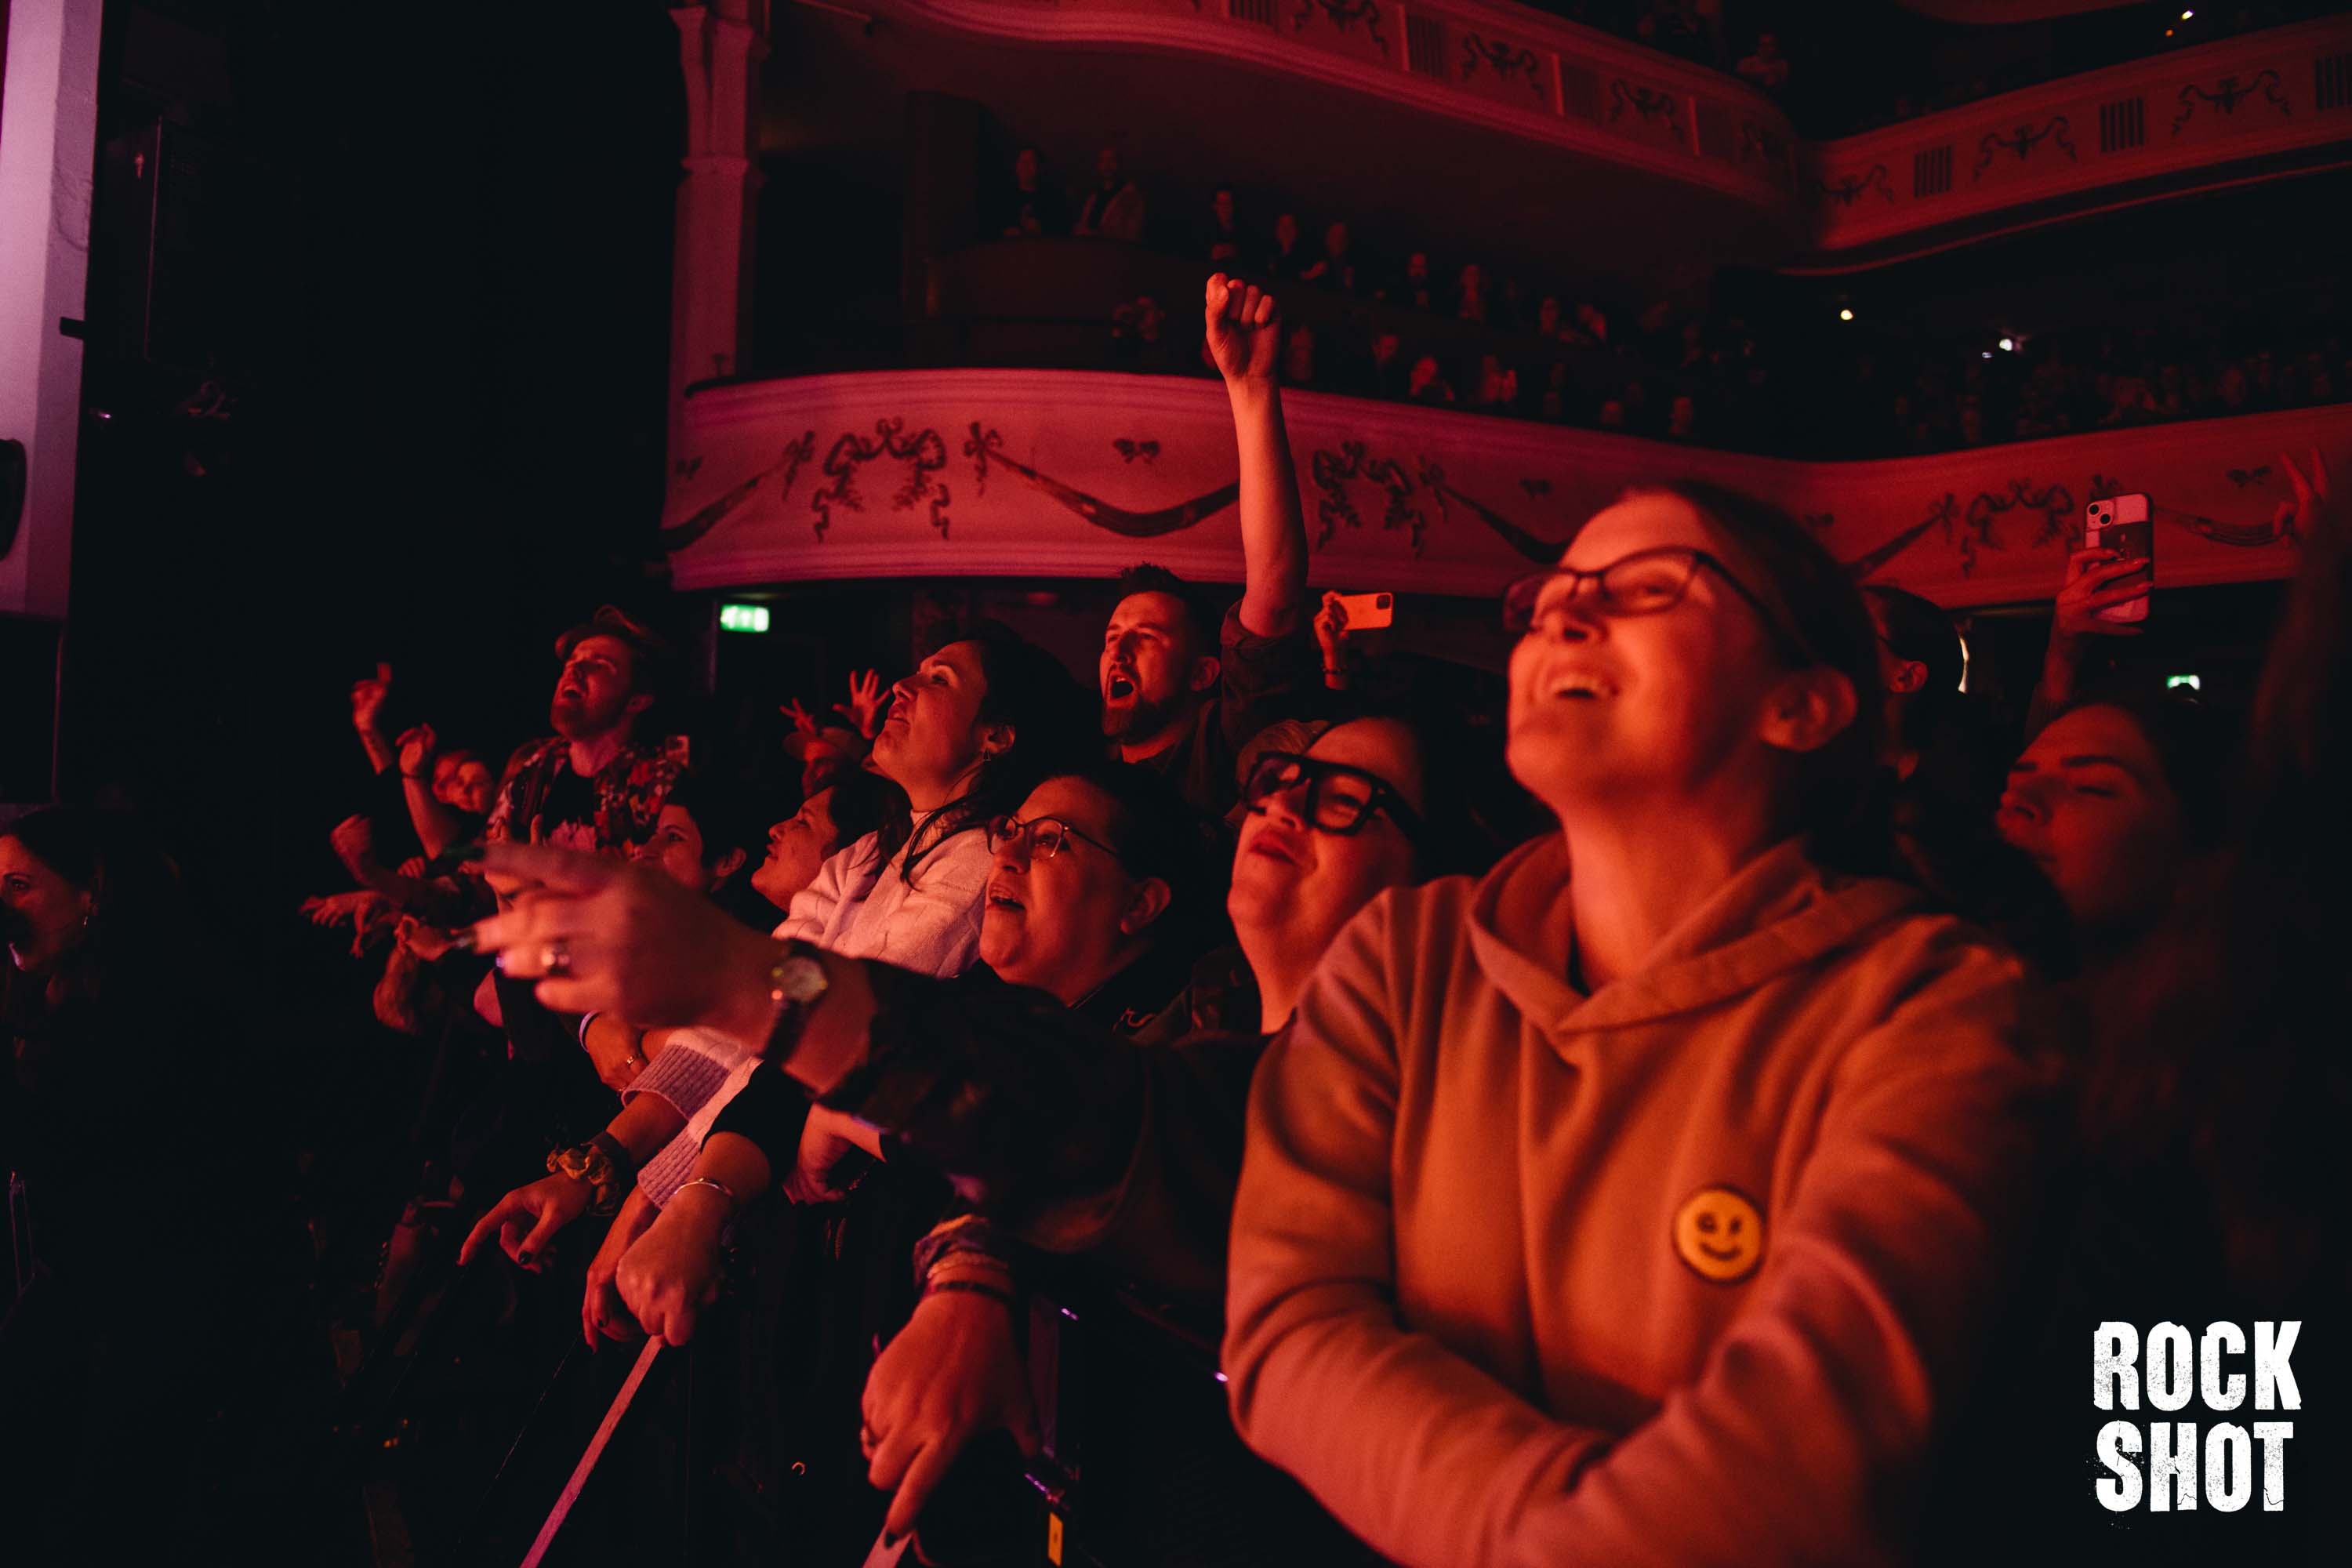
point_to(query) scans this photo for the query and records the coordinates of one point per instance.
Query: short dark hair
(1201, 616)
(1157, 833)
(723, 813)
(1825, 620)
(1917, 629)
(653, 660)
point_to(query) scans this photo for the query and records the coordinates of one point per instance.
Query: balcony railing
(1061, 474)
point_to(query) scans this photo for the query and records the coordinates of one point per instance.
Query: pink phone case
(2123, 524)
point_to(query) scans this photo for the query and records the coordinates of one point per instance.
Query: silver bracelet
(721, 1188)
(586, 1020)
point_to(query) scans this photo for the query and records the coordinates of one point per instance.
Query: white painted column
(49, 153)
(721, 46)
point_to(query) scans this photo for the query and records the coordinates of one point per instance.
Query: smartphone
(2122, 523)
(1368, 611)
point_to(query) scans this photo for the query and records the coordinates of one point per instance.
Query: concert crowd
(1252, 1095)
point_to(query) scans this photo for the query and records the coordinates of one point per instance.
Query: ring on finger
(555, 958)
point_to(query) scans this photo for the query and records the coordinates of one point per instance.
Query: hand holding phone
(2123, 528)
(1368, 611)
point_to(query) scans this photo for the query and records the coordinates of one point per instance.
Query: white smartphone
(1369, 612)
(2122, 523)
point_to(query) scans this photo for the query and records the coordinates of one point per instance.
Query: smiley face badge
(1720, 1233)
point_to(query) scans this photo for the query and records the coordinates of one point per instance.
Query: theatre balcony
(916, 384)
(992, 473)
(2262, 106)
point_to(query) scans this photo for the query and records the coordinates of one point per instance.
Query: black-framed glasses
(1045, 836)
(1340, 799)
(1646, 582)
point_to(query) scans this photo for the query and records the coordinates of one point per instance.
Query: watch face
(801, 979)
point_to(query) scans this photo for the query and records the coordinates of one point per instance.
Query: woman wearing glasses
(1642, 1214)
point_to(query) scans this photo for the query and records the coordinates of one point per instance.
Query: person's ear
(1205, 670)
(1146, 904)
(1910, 676)
(637, 703)
(995, 740)
(729, 864)
(1808, 709)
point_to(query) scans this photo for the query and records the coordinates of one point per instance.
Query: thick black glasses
(1043, 835)
(1340, 799)
(1642, 584)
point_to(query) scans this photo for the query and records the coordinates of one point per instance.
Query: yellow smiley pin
(1720, 1233)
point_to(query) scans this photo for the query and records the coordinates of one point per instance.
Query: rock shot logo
(2187, 1463)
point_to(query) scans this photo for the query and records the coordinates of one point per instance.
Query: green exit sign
(742, 617)
(2183, 682)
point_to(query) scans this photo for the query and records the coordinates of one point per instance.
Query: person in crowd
(1298, 357)
(1555, 398)
(1591, 325)
(1547, 316)
(967, 734)
(1182, 689)
(1286, 260)
(1941, 778)
(827, 751)
(1762, 1122)
(1044, 1114)
(1428, 383)
(2113, 799)
(1681, 419)
(1765, 65)
(1414, 290)
(1611, 415)
(446, 793)
(1030, 204)
(1113, 208)
(666, 1076)
(1470, 301)
(597, 785)
(1227, 245)
(1386, 374)
(1498, 389)
(1336, 266)
(109, 1009)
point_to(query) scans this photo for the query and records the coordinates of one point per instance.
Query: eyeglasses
(1646, 582)
(1043, 836)
(1340, 799)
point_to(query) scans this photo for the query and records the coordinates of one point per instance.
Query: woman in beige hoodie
(1644, 1214)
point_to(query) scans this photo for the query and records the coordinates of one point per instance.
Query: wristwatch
(796, 982)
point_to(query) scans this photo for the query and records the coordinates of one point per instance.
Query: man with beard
(1183, 691)
(597, 785)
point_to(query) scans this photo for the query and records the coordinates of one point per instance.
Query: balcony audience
(1113, 208)
(1030, 204)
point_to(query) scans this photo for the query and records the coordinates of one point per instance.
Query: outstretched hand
(951, 1374)
(524, 1222)
(804, 722)
(418, 747)
(368, 697)
(867, 701)
(2306, 514)
(1245, 330)
(612, 936)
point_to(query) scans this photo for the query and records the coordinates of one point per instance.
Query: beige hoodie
(1680, 1272)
